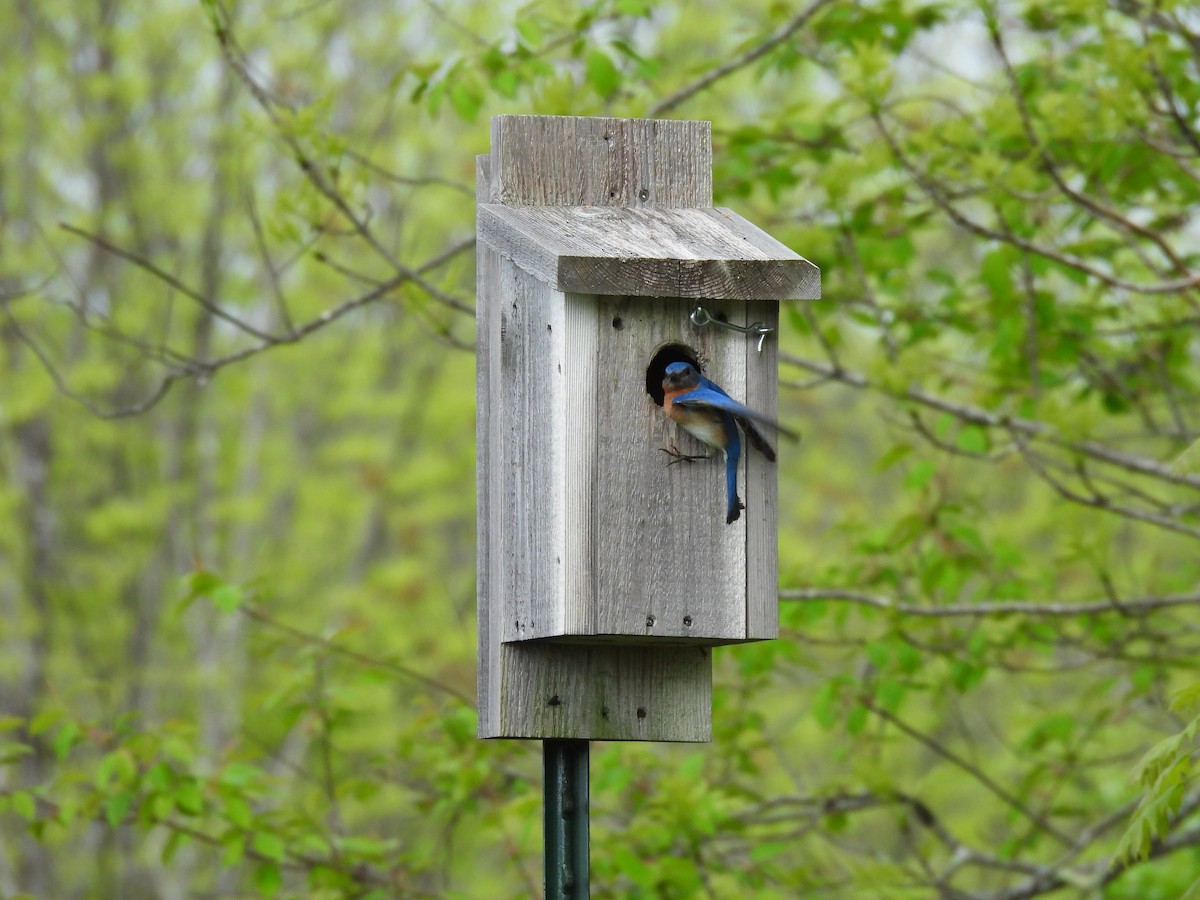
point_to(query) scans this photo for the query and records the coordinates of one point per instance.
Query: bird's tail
(734, 505)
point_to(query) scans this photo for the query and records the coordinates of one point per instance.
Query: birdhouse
(607, 566)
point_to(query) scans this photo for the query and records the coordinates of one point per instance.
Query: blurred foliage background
(236, 440)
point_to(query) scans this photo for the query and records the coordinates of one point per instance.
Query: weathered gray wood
(601, 537)
(532, 463)
(605, 573)
(670, 566)
(597, 692)
(532, 689)
(576, 161)
(709, 253)
(487, 450)
(762, 480)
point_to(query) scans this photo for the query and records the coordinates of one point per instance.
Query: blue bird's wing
(708, 398)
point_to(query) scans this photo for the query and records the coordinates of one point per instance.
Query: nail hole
(643, 194)
(641, 712)
(604, 712)
(548, 328)
(554, 701)
(687, 621)
(617, 323)
(650, 620)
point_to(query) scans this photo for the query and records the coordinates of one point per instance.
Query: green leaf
(973, 439)
(11, 751)
(227, 598)
(269, 845)
(24, 805)
(189, 799)
(176, 840)
(66, 738)
(895, 454)
(919, 474)
(45, 720)
(239, 812)
(530, 32)
(233, 848)
(117, 807)
(268, 879)
(239, 774)
(466, 99)
(602, 74)
(1186, 696)
(890, 694)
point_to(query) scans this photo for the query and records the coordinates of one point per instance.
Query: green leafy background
(237, 448)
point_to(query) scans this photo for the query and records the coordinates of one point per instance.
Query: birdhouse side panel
(532, 400)
(762, 481)
(668, 566)
(489, 590)
(583, 382)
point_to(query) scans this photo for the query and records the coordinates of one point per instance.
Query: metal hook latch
(700, 318)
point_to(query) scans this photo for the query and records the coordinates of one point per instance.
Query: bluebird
(712, 416)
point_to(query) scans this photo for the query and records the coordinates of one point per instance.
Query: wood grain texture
(669, 566)
(709, 253)
(577, 161)
(532, 462)
(605, 693)
(601, 536)
(489, 599)
(762, 482)
(532, 689)
(605, 574)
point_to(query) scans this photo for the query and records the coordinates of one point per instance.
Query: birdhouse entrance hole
(667, 354)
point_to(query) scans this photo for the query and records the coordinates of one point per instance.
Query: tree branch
(1139, 606)
(740, 61)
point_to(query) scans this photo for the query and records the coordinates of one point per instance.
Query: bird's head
(680, 375)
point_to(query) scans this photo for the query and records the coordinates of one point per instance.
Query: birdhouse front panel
(672, 568)
(617, 520)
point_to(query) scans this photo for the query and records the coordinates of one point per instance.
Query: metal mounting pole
(565, 767)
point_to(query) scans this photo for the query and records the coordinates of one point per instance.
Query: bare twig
(740, 61)
(258, 615)
(143, 263)
(1126, 607)
(978, 416)
(969, 768)
(940, 199)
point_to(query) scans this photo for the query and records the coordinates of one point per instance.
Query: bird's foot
(679, 456)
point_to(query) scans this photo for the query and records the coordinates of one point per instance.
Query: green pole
(565, 824)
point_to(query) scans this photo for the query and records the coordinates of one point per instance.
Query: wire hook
(700, 318)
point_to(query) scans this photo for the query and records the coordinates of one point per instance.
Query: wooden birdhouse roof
(683, 252)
